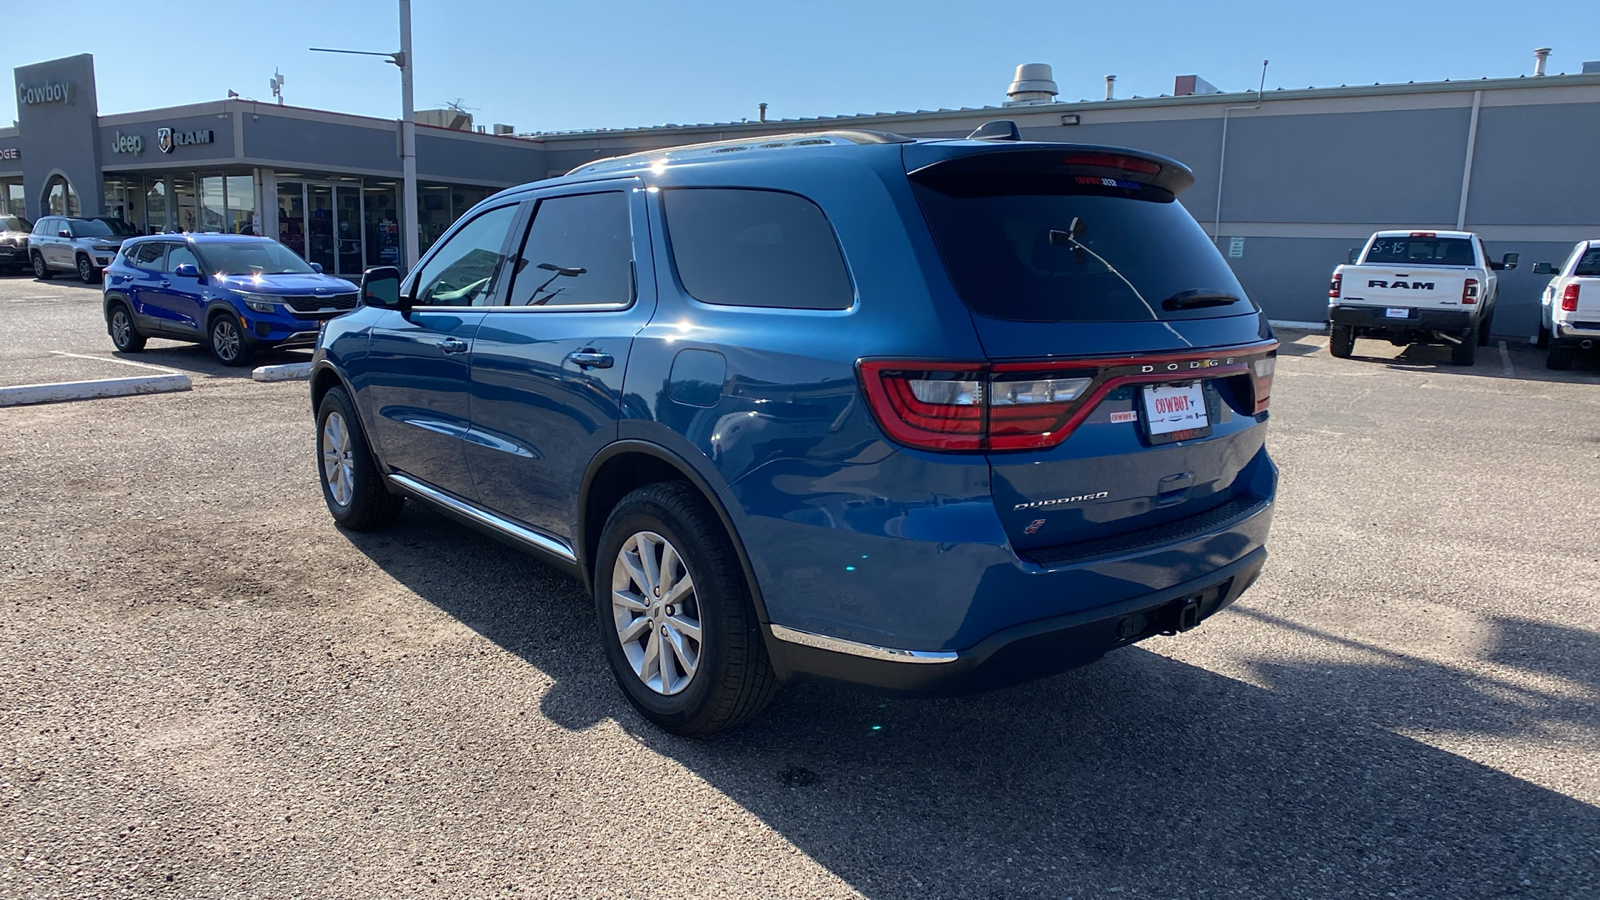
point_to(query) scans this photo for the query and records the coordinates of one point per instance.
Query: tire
(716, 682)
(1560, 358)
(40, 270)
(1543, 343)
(1342, 340)
(87, 273)
(1466, 352)
(227, 341)
(351, 487)
(119, 324)
(1484, 330)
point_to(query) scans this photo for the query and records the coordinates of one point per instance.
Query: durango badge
(1063, 501)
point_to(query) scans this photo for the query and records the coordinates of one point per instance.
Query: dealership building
(1286, 181)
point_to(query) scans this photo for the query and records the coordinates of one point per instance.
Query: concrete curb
(24, 394)
(286, 372)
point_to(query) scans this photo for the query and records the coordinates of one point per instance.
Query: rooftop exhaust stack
(763, 110)
(1034, 83)
(1540, 57)
(1188, 85)
(1111, 87)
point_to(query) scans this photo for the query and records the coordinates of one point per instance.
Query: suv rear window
(740, 247)
(1422, 251)
(1043, 248)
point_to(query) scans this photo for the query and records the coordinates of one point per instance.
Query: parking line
(1505, 361)
(115, 360)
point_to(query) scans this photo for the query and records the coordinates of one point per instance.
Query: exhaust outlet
(1586, 344)
(1445, 337)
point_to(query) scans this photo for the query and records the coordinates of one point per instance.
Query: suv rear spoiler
(933, 161)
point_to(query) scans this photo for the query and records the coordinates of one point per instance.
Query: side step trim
(839, 645)
(534, 539)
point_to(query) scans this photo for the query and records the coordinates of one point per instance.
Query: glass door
(347, 228)
(292, 216)
(320, 226)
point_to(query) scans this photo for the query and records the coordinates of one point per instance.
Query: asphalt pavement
(209, 691)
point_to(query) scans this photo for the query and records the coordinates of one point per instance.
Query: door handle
(165, 283)
(453, 345)
(592, 359)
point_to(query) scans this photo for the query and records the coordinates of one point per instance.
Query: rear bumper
(1576, 332)
(1022, 652)
(1376, 319)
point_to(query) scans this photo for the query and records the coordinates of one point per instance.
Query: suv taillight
(1469, 292)
(1569, 298)
(957, 406)
(1333, 288)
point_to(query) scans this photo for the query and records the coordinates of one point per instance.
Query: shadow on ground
(197, 359)
(1139, 774)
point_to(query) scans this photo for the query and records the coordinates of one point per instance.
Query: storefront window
(213, 204)
(13, 201)
(60, 197)
(124, 198)
(155, 207)
(242, 205)
(433, 213)
(183, 194)
(292, 216)
(382, 224)
(347, 235)
(463, 199)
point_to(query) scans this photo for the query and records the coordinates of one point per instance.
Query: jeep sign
(127, 143)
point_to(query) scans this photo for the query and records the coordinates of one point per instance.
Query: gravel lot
(210, 691)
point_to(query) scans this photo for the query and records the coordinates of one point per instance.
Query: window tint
(1589, 264)
(45, 226)
(147, 255)
(755, 248)
(1046, 248)
(579, 250)
(461, 272)
(1422, 251)
(179, 254)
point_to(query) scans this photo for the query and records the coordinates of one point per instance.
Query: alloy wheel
(337, 468)
(225, 339)
(121, 329)
(39, 268)
(656, 612)
(85, 271)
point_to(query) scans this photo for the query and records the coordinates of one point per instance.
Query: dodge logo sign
(164, 139)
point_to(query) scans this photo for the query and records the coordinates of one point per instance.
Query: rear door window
(1044, 248)
(1588, 264)
(1421, 251)
(148, 255)
(738, 247)
(578, 252)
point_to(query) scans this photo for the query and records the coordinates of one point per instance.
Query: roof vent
(997, 130)
(1188, 85)
(1592, 67)
(1540, 57)
(1111, 87)
(504, 129)
(1033, 84)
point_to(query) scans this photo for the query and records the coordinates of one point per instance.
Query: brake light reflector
(1469, 292)
(1569, 298)
(1333, 289)
(1424, 234)
(1261, 372)
(1114, 161)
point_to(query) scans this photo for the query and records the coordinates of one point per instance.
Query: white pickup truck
(1416, 287)
(1569, 315)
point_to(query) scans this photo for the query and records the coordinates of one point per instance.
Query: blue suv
(929, 416)
(234, 293)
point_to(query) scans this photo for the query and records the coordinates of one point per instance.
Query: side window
(461, 272)
(755, 248)
(44, 227)
(579, 250)
(149, 255)
(177, 255)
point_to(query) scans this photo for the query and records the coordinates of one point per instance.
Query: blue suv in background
(929, 416)
(234, 293)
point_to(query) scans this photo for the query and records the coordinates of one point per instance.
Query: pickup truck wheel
(1342, 341)
(1543, 343)
(675, 614)
(1560, 358)
(124, 336)
(1466, 352)
(40, 270)
(87, 273)
(350, 483)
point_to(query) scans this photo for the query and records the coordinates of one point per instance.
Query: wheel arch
(628, 465)
(112, 298)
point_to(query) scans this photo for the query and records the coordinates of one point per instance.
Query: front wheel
(124, 336)
(1466, 352)
(41, 270)
(676, 616)
(1342, 340)
(227, 341)
(350, 483)
(87, 273)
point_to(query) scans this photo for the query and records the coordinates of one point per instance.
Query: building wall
(60, 136)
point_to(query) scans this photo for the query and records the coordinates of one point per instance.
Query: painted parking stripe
(1505, 361)
(112, 359)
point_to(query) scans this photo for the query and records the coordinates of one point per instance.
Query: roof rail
(686, 152)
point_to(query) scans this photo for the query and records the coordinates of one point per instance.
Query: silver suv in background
(81, 244)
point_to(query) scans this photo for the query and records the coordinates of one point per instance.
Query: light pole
(408, 133)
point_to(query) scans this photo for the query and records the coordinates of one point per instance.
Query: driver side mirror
(1351, 256)
(317, 268)
(1509, 261)
(64, 233)
(380, 287)
(1544, 268)
(187, 270)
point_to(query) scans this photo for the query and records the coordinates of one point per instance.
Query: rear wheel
(1484, 330)
(675, 614)
(1342, 340)
(227, 341)
(40, 270)
(87, 273)
(124, 335)
(1560, 358)
(351, 485)
(1466, 352)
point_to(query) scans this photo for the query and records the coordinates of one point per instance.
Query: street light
(408, 130)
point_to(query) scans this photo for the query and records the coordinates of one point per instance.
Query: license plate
(1170, 408)
(1395, 312)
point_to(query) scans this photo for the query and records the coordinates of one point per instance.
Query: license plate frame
(1169, 427)
(1396, 312)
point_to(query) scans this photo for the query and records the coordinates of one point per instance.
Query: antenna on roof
(276, 83)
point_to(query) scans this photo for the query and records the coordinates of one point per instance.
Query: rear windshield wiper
(1197, 299)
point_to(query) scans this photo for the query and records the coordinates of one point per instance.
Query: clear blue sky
(617, 63)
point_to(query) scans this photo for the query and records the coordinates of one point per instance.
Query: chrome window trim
(854, 648)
